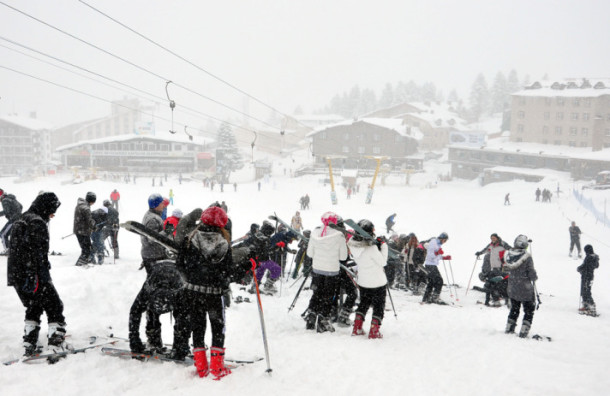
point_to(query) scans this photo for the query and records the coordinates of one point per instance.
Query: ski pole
(67, 236)
(472, 273)
(291, 266)
(282, 264)
(298, 292)
(262, 318)
(448, 280)
(296, 280)
(453, 281)
(387, 287)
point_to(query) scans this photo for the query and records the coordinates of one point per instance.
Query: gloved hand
(477, 254)
(483, 276)
(439, 252)
(280, 244)
(448, 257)
(496, 279)
(379, 241)
(245, 265)
(31, 284)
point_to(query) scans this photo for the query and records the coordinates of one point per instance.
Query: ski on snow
(53, 357)
(188, 361)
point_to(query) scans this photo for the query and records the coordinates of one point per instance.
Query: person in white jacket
(434, 253)
(371, 258)
(327, 248)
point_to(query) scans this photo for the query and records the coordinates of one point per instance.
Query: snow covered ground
(432, 350)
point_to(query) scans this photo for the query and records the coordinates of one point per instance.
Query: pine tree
(479, 98)
(387, 96)
(228, 157)
(512, 82)
(499, 93)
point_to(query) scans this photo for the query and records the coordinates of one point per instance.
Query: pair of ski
(154, 357)
(55, 356)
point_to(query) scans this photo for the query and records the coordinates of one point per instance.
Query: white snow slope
(431, 349)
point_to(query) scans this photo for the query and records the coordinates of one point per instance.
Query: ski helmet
(177, 213)
(521, 242)
(329, 217)
(443, 235)
(90, 197)
(106, 203)
(367, 226)
(267, 228)
(154, 200)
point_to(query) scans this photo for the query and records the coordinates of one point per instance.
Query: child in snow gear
(151, 251)
(574, 238)
(157, 296)
(586, 269)
(492, 274)
(395, 270)
(111, 228)
(371, 258)
(261, 243)
(100, 216)
(205, 260)
(520, 266)
(83, 227)
(171, 223)
(11, 209)
(414, 257)
(327, 248)
(28, 271)
(434, 253)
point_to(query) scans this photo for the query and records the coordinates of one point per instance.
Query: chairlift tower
(369, 193)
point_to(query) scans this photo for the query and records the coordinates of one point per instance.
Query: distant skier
(297, 222)
(111, 228)
(11, 209)
(520, 266)
(83, 227)
(100, 216)
(538, 192)
(28, 271)
(389, 222)
(507, 199)
(574, 238)
(414, 258)
(115, 197)
(586, 269)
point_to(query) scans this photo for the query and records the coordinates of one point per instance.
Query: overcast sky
(287, 52)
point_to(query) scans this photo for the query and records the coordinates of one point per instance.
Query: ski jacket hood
(326, 251)
(370, 261)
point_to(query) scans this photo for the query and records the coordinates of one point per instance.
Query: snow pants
(85, 247)
(575, 242)
(275, 271)
(323, 287)
(5, 234)
(586, 283)
(46, 300)
(153, 323)
(435, 280)
(372, 297)
(346, 285)
(528, 310)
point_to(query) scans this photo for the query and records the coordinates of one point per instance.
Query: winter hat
(154, 200)
(106, 203)
(1, 192)
(327, 218)
(45, 204)
(177, 213)
(90, 197)
(214, 216)
(494, 235)
(166, 201)
(589, 249)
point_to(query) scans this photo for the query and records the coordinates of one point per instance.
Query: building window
(323, 135)
(346, 136)
(345, 149)
(576, 102)
(547, 115)
(112, 146)
(545, 130)
(548, 101)
(574, 116)
(585, 131)
(376, 150)
(376, 137)
(587, 102)
(560, 101)
(585, 116)
(125, 146)
(521, 114)
(583, 144)
(178, 147)
(164, 147)
(559, 116)
(361, 150)
(573, 131)
(558, 130)
(520, 128)
(572, 143)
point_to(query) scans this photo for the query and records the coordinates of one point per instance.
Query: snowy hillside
(431, 349)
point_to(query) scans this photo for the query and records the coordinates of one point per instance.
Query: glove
(448, 257)
(477, 254)
(439, 252)
(379, 241)
(483, 276)
(280, 244)
(31, 284)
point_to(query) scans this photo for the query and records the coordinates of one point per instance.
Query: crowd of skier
(191, 259)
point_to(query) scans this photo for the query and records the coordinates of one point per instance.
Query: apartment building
(24, 145)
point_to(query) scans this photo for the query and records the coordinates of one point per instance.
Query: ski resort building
(25, 145)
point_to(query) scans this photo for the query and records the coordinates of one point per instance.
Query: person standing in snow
(115, 197)
(574, 238)
(297, 222)
(170, 225)
(111, 228)
(520, 266)
(507, 199)
(11, 209)
(151, 251)
(389, 222)
(538, 192)
(171, 196)
(327, 248)
(434, 253)
(492, 268)
(371, 260)
(260, 241)
(83, 227)
(100, 216)
(586, 269)
(28, 271)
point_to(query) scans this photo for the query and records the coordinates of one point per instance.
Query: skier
(111, 228)
(83, 227)
(156, 297)
(151, 251)
(11, 209)
(492, 269)
(297, 222)
(371, 259)
(574, 238)
(278, 245)
(28, 271)
(171, 196)
(205, 259)
(586, 269)
(520, 266)
(389, 222)
(100, 217)
(395, 270)
(434, 253)
(507, 199)
(414, 258)
(171, 223)
(115, 197)
(327, 248)
(261, 243)
(538, 192)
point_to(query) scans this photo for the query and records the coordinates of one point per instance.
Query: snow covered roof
(394, 124)
(27, 122)
(181, 138)
(575, 88)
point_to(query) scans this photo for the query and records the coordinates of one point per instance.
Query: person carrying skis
(491, 271)
(371, 259)
(327, 248)
(574, 238)
(414, 257)
(261, 243)
(152, 252)
(28, 271)
(520, 266)
(389, 222)
(157, 296)
(434, 253)
(111, 228)
(171, 223)
(586, 269)
(100, 216)
(115, 197)
(395, 270)
(11, 209)
(205, 259)
(83, 227)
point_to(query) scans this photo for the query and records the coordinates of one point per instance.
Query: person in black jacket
(574, 238)
(100, 216)
(11, 209)
(414, 256)
(586, 269)
(205, 260)
(111, 228)
(83, 227)
(28, 271)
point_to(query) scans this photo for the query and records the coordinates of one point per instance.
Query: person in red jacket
(170, 225)
(114, 197)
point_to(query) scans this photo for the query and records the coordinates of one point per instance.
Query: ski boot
(155, 344)
(374, 331)
(201, 362)
(525, 329)
(324, 325)
(217, 363)
(269, 286)
(310, 319)
(510, 326)
(358, 322)
(30, 337)
(343, 318)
